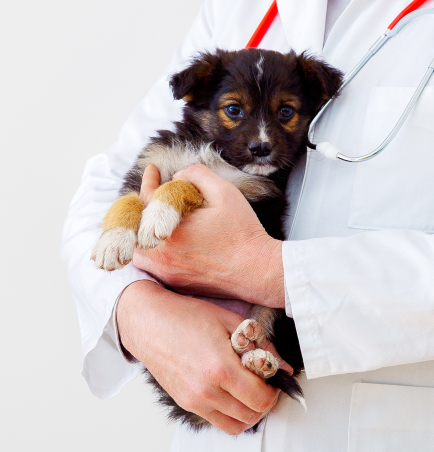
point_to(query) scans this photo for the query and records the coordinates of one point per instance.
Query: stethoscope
(325, 148)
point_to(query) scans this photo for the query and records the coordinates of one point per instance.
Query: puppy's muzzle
(260, 148)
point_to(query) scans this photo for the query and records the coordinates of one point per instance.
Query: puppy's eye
(286, 113)
(234, 110)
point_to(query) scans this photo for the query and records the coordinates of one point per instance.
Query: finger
(150, 182)
(228, 405)
(250, 390)
(210, 185)
(226, 423)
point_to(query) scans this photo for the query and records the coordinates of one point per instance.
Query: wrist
(266, 274)
(131, 308)
(273, 282)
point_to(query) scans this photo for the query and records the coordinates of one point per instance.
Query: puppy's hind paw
(114, 249)
(261, 363)
(247, 336)
(159, 220)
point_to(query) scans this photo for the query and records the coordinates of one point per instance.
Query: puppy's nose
(260, 149)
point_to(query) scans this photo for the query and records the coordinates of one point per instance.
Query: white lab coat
(359, 268)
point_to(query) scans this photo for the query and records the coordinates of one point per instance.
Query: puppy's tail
(289, 385)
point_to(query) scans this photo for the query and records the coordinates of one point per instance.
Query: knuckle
(215, 373)
(195, 169)
(188, 402)
(203, 393)
(185, 402)
(200, 393)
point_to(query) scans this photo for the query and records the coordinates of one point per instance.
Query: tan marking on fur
(125, 212)
(229, 98)
(227, 122)
(301, 123)
(292, 124)
(225, 100)
(236, 97)
(188, 97)
(179, 194)
(282, 99)
(247, 104)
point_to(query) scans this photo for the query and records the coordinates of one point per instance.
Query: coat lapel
(304, 24)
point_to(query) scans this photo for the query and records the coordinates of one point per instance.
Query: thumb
(212, 186)
(150, 182)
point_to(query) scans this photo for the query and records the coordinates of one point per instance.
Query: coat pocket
(395, 190)
(391, 418)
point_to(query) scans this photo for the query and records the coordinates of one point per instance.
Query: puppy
(246, 117)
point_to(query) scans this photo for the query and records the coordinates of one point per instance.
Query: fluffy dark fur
(254, 107)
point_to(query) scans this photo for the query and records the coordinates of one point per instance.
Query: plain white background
(71, 73)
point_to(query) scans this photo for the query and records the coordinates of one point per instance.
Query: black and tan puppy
(246, 117)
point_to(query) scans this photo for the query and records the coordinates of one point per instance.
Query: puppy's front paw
(114, 248)
(247, 336)
(159, 220)
(261, 363)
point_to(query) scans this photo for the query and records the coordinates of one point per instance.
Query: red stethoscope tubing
(410, 8)
(271, 14)
(263, 27)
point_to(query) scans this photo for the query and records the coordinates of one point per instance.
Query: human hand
(185, 344)
(220, 250)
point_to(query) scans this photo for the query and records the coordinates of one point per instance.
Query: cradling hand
(185, 344)
(220, 249)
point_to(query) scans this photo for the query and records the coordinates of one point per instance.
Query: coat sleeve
(95, 292)
(362, 302)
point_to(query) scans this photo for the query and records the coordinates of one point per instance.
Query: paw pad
(261, 363)
(247, 336)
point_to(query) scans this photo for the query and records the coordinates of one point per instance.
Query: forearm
(139, 303)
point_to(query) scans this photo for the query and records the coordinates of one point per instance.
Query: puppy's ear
(200, 80)
(320, 80)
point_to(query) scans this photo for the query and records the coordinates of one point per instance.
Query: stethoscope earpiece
(328, 150)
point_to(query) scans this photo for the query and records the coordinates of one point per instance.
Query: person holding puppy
(356, 274)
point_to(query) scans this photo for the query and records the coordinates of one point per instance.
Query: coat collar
(304, 23)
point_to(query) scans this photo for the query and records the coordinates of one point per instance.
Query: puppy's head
(255, 105)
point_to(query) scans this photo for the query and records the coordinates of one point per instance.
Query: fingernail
(177, 175)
